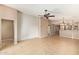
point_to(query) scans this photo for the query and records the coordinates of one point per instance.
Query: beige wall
(8, 13)
(43, 27)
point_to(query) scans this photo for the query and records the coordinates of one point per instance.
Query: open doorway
(53, 29)
(57, 28)
(7, 32)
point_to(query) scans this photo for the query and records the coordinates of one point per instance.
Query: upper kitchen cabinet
(8, 13)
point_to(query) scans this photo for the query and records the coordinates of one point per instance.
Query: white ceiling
(68, 11)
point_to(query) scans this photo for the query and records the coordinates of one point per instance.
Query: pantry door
(7, 32)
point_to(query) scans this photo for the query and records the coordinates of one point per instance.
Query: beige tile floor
(54, 45)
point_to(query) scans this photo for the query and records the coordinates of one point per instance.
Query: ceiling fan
(48, 14)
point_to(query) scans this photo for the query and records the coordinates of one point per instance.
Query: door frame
(15, 30)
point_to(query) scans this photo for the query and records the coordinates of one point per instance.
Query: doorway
(54, 29)
(7, 32)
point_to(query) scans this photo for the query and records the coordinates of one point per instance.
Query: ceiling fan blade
(51, 16)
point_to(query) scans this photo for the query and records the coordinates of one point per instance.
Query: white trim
(0, 32)
(15, 31)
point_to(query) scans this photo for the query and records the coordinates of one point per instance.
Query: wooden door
(7, 32)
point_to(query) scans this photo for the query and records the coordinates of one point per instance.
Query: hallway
(50, 45)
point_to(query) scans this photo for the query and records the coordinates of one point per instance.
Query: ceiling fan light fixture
(45, 10)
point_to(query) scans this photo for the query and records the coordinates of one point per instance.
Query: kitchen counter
(74, 34)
